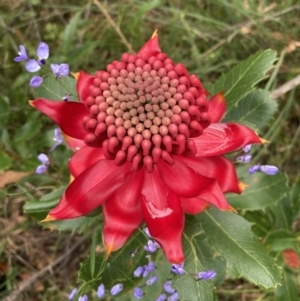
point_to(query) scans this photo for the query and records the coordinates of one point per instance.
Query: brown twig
(114, 25)
(24, 285)
(285, 87)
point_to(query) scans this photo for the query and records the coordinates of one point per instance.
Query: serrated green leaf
(5, 161)
(281, 239)
(56, 89)
(238, 82)
(230, 235)
(288, 291)
(254, 110)
(263, 190)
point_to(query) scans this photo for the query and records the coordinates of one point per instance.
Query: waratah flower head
(153, 151)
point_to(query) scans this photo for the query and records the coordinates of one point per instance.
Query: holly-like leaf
(254, 110)
(288, 289)
(230, 235)
(238, 82)
(56, 89)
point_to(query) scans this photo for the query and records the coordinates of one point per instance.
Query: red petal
(291, 258)
(68, 115)
(181, 179)
(217, 107)
(123, 212)
(193, 205)
(151, 47)
(90, 189)
(83, 83)
(222, 138)
(218, 168)
(83, 159)
(164, 216)
(73, 143)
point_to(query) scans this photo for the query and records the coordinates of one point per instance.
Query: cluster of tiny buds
(144, 108)
(246, 158)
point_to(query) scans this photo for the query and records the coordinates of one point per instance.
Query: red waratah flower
(153, 151)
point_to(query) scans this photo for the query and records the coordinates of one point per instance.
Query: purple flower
(174, 297)
(177, 268)
(83, 298)
(138, 292)
(57, 138)
(116, 289)
(151, 247)
(151, 266)
(72, 294)
(270, 170)
(60, 70)
(207, 275)
(247, 148)
(244, 158)
(139, 271)
(152, 280)
(45, 163)
(66, 97)
(22, 55)
(162, 297)
(101, 291)
(168, 287)
(253, 169)
(36, 81)
(42, 52)
(146, 230)
(32, 66)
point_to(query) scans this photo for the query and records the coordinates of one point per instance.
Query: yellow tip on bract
(48, 218)
(75, 75)
(72, 178)
(31, 103)
(262, 140)
(242, 186)
(109, 248)
(154, 34)
(232, 209)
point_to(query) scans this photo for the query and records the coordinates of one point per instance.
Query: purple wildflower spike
(32, 66)
(138, 292)
(247, 148)
(57, 138)
(36, 81)
(177, 268)
(72, 294)
(270, 170)
(253, 169)
(116, 289)
(244, 158)
(174, 297)
(42, 53)
(168, 287)
(152, 280)
(22, 55)
(139, 271)
(101, 291)
(60, 70)
(162, 297)
(206, 275)
(83, 298)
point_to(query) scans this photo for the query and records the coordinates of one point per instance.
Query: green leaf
(4, 109)
(198, 257)
(56, 89)
(254, 110)
(238, 82)
(288, 291)
(5, 161)
(281, 239)
(230, 235)
(263, 190)
(28, 131)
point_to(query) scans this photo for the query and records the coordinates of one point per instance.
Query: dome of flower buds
(143, 108)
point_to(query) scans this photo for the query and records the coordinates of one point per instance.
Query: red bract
(153, 151)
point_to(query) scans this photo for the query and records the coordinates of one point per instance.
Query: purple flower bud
(253, 169)
(152, 280)
(206, 275)
(138, 271)
(116, 289)
(41, 169)
(44, 159)
(42, 51)
(22, 55)
(244, 158)
(168, 287)
(101, 291)
(152, 247)
(57, 138)
(146, 272)
(151, 266)
(247, 148)
(173, 297)
(146, 230)
(83, 298)
(177, 268)
(36, 81)
(138, 292)
(270, 170)
(66, 97)
(162, 297)
(72, 294)
(32, 66)
(60, 70)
